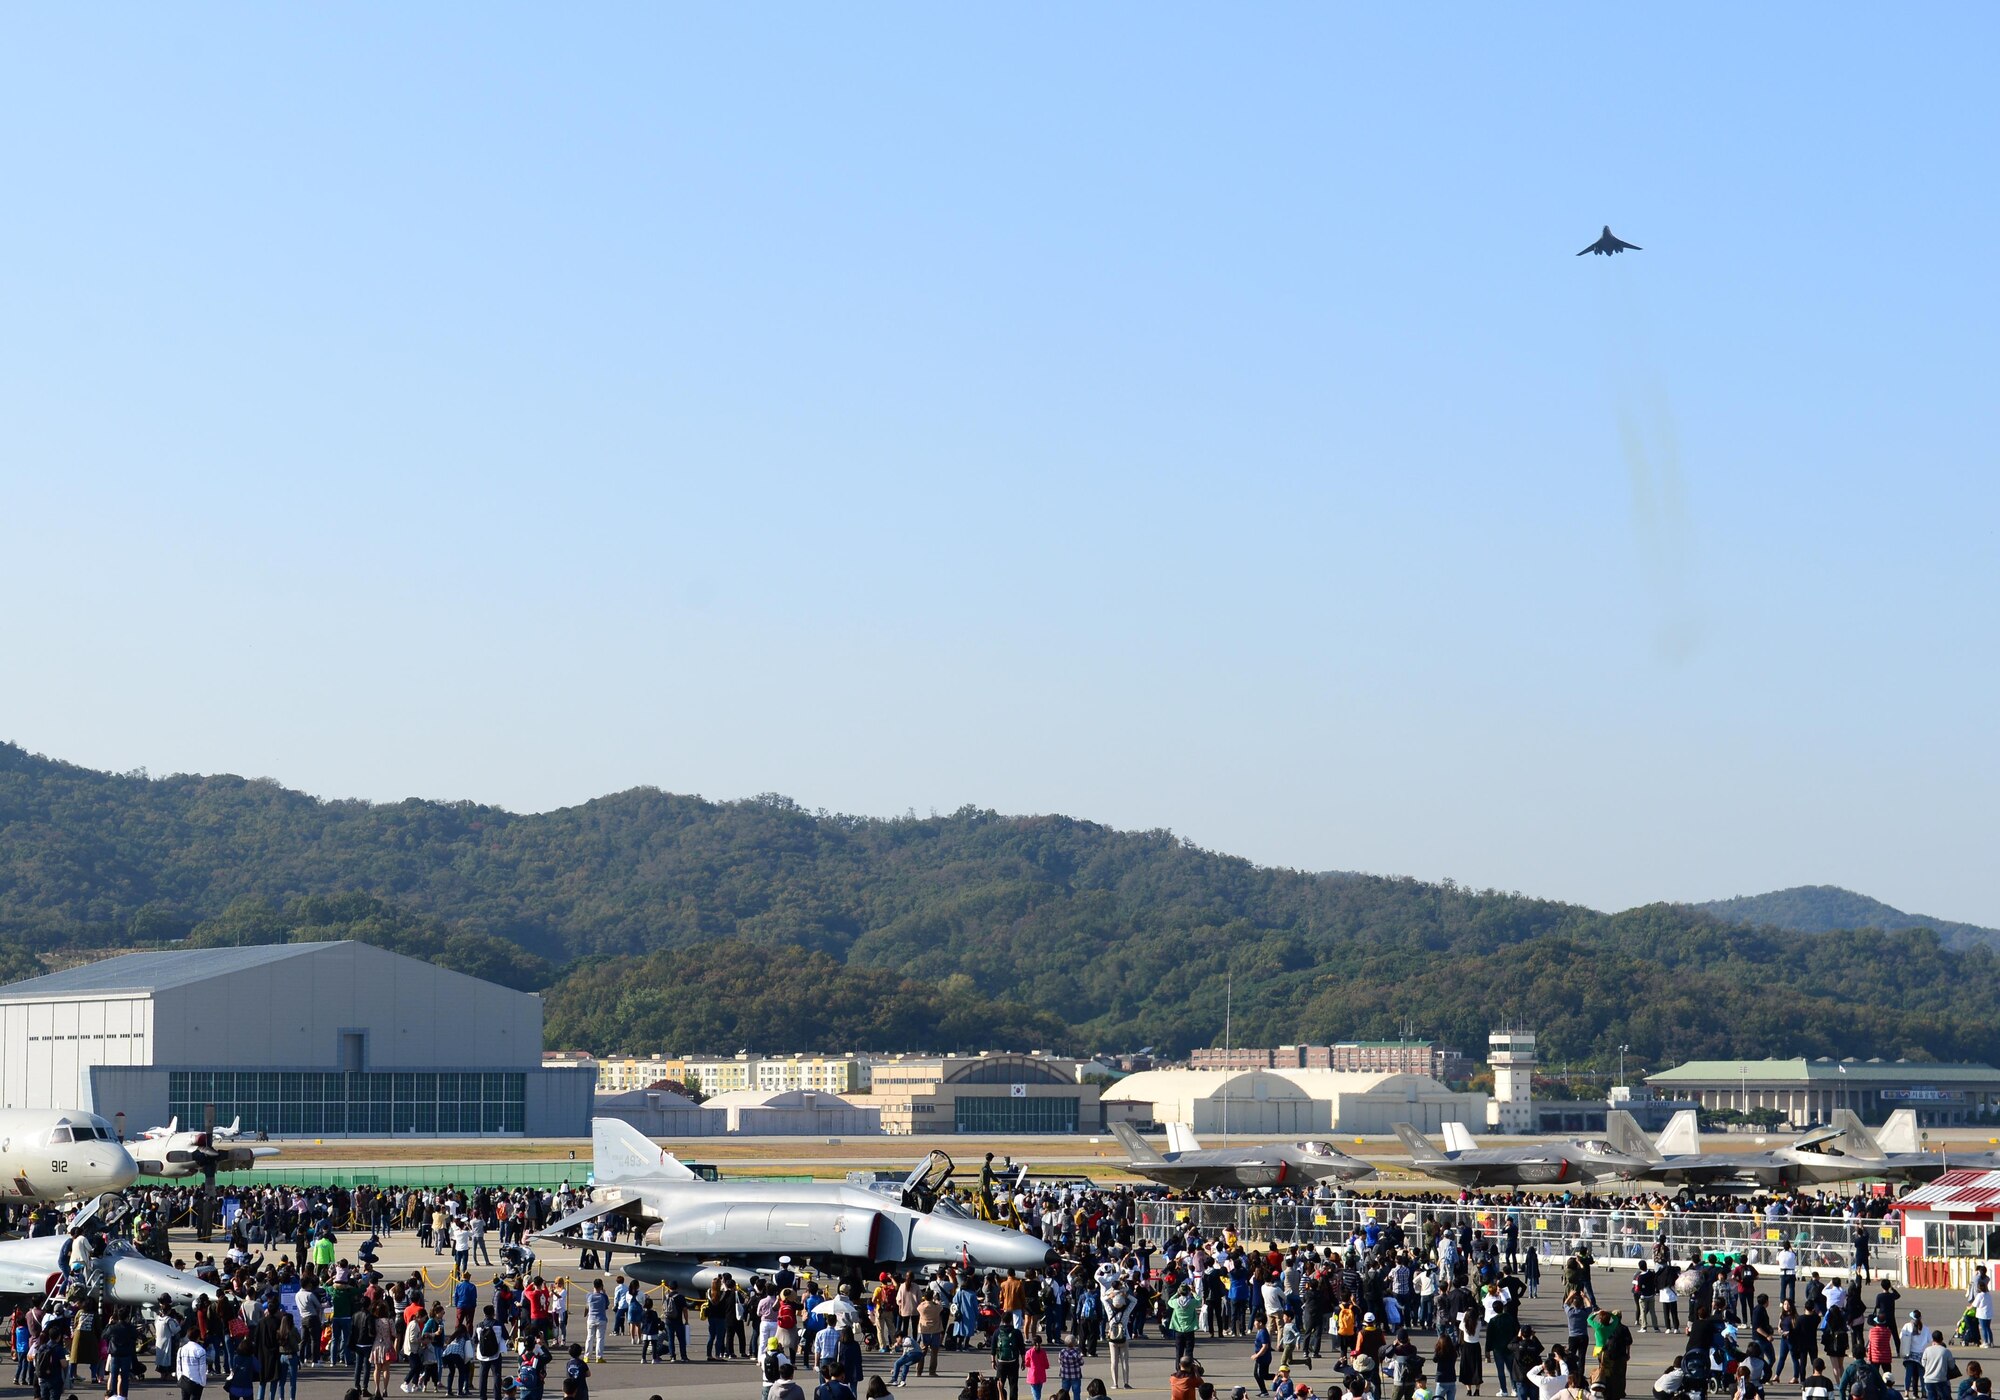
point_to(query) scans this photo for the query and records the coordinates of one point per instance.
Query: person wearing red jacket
(1881, 1347)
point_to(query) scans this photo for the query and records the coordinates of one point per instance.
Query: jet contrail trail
(1661, 525)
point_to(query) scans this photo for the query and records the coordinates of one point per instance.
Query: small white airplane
(169, 1152)
(60, 1154)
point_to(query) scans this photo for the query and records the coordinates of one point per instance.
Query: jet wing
(24, 1277)
(242, 1158)
(26, 1265)
(564, 1230)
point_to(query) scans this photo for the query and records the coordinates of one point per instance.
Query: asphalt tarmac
(1227, 1361)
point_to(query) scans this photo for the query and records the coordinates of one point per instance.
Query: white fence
(1823, 1243)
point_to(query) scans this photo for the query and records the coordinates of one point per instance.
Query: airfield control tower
(1512, 1055)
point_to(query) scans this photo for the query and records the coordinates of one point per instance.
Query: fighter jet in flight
(1187, 1163)
(1465, 1163)
(1611, 243)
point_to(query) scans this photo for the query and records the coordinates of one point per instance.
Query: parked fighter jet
(1861, 1147)
(1677, 1159)
(170, 1152)
(1610, 245)
(1187, 1163)
(1897, 1153)
(121, 1273)
(60, 1154)
(692, 1231)
(1465, 1163)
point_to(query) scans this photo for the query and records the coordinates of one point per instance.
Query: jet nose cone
(137, 1280)
(120, 1171)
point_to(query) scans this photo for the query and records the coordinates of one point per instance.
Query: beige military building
(1269, 1102)
(987, 1093)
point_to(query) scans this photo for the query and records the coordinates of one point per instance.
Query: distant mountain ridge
(1830, 909)
(664, 922)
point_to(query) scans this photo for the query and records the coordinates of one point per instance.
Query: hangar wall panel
(47, 1048)
(292, 1012)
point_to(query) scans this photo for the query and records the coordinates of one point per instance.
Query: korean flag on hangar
(1019, 1091)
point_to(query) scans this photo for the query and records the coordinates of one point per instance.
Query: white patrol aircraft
(60, 1154)
(170, 1152)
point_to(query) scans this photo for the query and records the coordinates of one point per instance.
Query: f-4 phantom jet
(691, 1231)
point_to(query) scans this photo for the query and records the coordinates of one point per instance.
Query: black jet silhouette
(1611, 243)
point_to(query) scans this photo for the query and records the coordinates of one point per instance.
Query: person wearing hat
(1282, 1388)
(1368, 1341)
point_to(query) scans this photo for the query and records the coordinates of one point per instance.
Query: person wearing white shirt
(1549, 1378)
(1788, 1276)
(191, 1368)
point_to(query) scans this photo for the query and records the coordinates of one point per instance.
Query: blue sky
(1185, 417)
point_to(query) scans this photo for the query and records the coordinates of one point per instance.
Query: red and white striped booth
(1950, 1228)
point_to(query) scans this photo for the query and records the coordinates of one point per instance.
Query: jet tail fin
(1625, 1134)
(1458, 1138)
(1420, 1146)
(1136, 1147)
(1682, 1137)
(1855, 1139)
(619, 1151)
(1181, 1138)
(1899, 1134)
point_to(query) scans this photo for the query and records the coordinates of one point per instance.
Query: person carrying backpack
(486, 1353)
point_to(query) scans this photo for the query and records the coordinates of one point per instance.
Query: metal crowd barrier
(1612, 1233)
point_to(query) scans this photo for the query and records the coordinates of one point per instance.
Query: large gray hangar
(311, 1039)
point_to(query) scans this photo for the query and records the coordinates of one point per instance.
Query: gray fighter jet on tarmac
(1610, 245)
(691, 1231)
(1187, 1163)
(1896, 1152)
(120, 1273)
(1676, 1159)
(1465, 1163)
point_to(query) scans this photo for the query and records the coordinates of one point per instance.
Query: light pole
(1621, 1064)
(1744, 1072)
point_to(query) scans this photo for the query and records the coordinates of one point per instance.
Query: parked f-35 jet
(1610, 244)
(1677, 1159)
(1465, 1163)
(1186, 1163)
(691, 1231)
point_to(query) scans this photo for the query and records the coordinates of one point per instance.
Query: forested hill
(657, 921)
(1823, 908)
